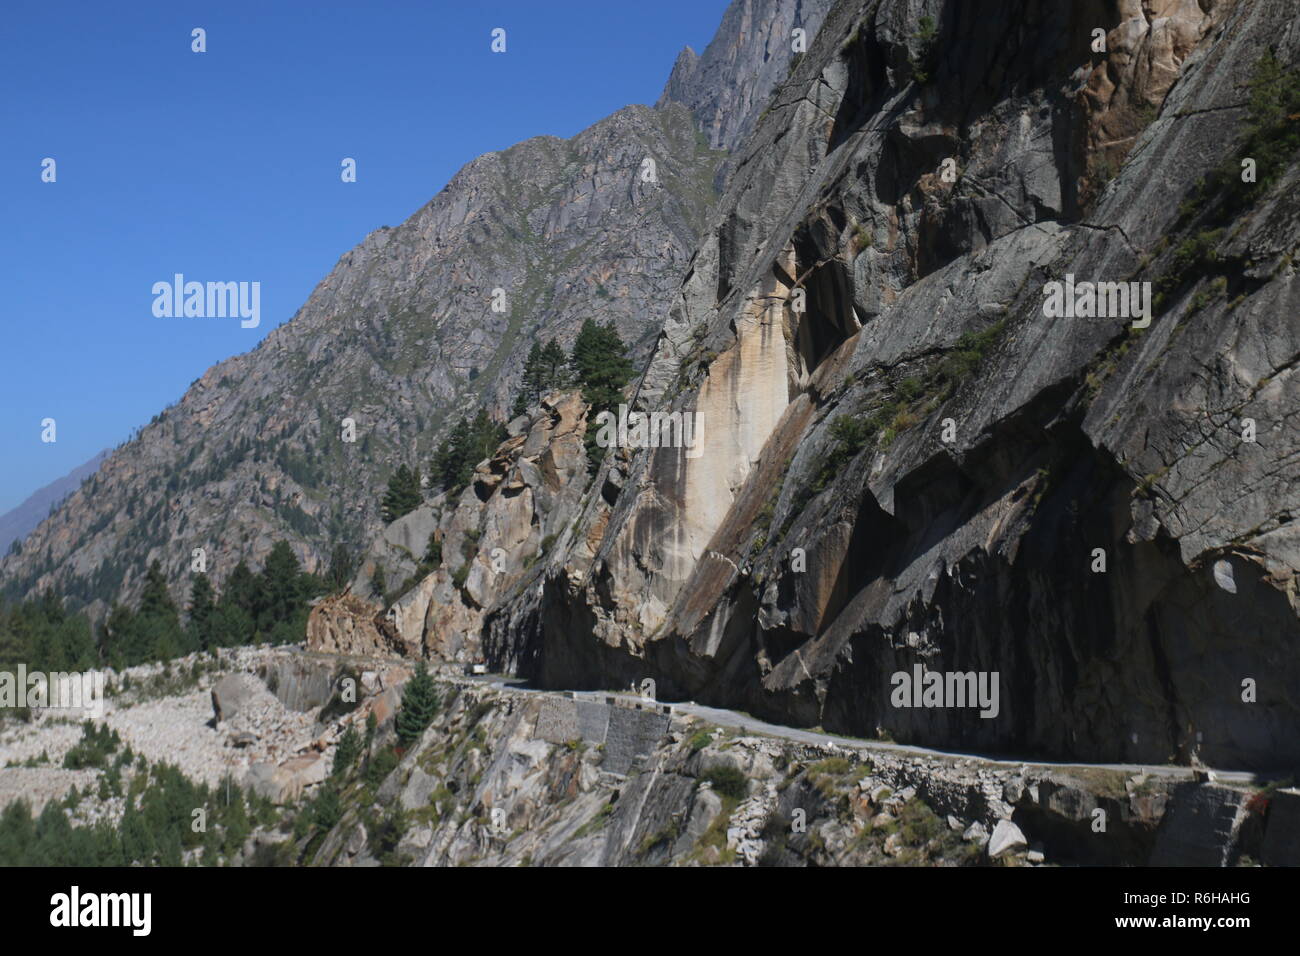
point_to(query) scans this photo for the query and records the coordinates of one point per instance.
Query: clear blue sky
(224, 166)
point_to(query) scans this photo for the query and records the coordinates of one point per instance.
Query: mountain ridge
(18, 521)
(400, 336)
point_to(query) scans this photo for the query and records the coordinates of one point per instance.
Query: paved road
(752, 725)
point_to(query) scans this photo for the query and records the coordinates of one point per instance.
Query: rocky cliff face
(907, 462)
(492, 539)
(729, 85)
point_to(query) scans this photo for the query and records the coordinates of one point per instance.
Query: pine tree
(341, 569)
(347, 751)
(115, 634)
(378, 586)
(202, 606)
(529, 384)
(156, 631)
(599, 357)
(419, 705)
(468, 444)
(554, 368)
(403, 495)
(241, 590)
(445, 466)
(230, 626)
(154, 599)
(280, 590)
(485, 436)
(545, 370)
(601, 365)
(432, 559)
(326, 809)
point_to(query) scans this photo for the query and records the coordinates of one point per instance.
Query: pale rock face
(407, 615)
(738, 406)
(740, 401)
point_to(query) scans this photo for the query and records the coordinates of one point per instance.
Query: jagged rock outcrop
(907, 462)
(491, 537)
(346, 624)
(729, 84)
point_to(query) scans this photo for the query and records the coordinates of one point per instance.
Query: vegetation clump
(403, 495)
(470, 441)
(727, 781)
(419, 706)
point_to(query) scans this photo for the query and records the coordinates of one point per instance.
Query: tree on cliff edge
(419, 704)
(601, 366)
(403, 495)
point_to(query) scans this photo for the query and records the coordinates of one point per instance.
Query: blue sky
(224, 165)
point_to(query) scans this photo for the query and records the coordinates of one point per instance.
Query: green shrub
(93, 749)
(433, 552)
(326, 811)
(728, 782)
(380, 766)
(926, 60)
(701, 740)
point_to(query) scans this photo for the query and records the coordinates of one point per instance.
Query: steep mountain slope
(728, 85)
(402, 337)
(17, 522)
(908, 462)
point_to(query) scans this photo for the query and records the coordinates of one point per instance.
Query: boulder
(417, 790)
(704, 810)
(1006, 837)
(285, 783)
(264, 779)
(230, 694)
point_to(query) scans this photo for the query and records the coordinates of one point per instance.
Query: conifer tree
(528, 385)
(202, 606)
(280, 585)
(460, 452)
(241, 589)
(326, 809)
(419, 705)
(341, 569)
(554, 368)
(155, 632)
(403, 495)
(601, 365)
(347, 751)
